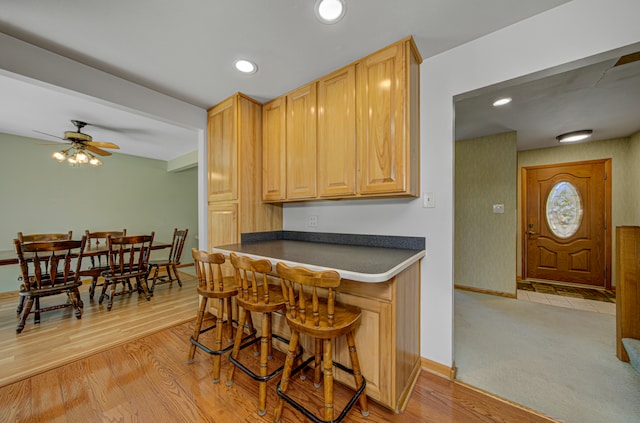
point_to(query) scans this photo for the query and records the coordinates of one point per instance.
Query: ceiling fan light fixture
(575, 136)
(330, 11)
(60, 156)
(95, 162)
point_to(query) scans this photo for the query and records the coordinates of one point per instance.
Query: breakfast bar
(381, 276)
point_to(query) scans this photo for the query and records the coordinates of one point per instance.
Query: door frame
(607, 209)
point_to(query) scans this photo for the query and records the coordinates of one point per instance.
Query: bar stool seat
(256, 295)
(213, 285)
(324, 320)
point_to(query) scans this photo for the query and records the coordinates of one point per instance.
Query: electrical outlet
(313, 221)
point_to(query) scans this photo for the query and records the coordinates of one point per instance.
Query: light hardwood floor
(129, 365)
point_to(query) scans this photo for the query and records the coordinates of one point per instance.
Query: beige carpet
(559, 361)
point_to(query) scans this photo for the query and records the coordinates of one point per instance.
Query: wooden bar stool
(322, 319)
(257, 295)
(213, 285)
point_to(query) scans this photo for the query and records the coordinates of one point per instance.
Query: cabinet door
(382, 137)
(337, 134)
(223, 224)
(301, 143)
(274, 163)
(222, 152)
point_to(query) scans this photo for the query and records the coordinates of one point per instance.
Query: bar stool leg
(218, 340)
(317, 365)
(328, 379)
(286, 373)
(236, 346)
(265, 343)
(196, 332)
(357, 374)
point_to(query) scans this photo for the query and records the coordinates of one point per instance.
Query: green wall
(625, 197)
(41, 195)
(484, 253)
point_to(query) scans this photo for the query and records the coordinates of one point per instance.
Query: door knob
(532, 233)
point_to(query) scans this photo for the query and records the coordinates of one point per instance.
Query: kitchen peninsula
(381, 276)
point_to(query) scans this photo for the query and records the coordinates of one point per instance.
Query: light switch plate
(498, 208)
(428, 200)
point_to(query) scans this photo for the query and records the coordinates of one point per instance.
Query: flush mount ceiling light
(502, 101)
(575, 135)
(330, 11)
(245, 66)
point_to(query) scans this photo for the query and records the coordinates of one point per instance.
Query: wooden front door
(565, 233)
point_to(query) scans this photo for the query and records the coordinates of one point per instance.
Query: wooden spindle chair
(128, 259)
(257, 295)
(49, 268)
(171, 262)
(322, 319)
(99, 262)
(36, 238)
(212, 284)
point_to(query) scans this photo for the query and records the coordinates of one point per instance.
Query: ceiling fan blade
(54, 136)
(101, 144)
(97, 150)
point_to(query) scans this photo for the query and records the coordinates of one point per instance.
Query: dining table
(8, 257)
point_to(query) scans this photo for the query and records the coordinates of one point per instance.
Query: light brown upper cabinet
(388, 124)
(234, 149)
(337, 133)
(354, 133)
(222, 151)
(274, 159)
(301, 143)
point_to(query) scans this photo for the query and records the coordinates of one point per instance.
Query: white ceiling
(186, 49)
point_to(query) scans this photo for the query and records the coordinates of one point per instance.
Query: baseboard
(484, 291)
(438, 369)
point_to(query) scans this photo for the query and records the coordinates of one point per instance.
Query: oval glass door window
(564, 209)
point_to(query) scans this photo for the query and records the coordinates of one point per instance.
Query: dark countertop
(354, 262)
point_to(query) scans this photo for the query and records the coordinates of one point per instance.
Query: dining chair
(213, 285)
(40, 237)
(44, 237)
(171, 262)
(257, 295)
(128, 259)
(49, 268)
(99, 262)
(323, 319)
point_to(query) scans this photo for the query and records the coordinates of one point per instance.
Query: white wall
(570, 32)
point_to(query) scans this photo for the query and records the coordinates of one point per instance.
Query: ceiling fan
(82, 145)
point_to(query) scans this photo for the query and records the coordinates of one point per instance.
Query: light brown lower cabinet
(388, 338)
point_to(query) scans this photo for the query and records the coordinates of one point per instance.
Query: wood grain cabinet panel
(388, 123)
(627, 286)
(301, 143)
(223, 224)
(222, 152)
(274, 159)
(337, 134)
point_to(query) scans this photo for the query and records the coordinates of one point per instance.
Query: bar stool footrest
(249, 372)
(227, 348)
(308, 413)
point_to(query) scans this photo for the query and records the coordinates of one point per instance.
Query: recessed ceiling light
(330, 11)
(502, 101)
(575, 136)
(245, 66)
